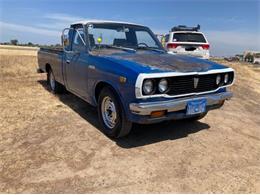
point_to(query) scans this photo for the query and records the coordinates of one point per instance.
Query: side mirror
(65, 40)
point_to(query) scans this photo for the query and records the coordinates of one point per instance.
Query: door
(76, 65)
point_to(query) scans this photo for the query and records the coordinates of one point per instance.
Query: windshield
(189, 37)
(121, 36)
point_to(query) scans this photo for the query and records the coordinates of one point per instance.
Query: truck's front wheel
(53, 84)
(111, 114)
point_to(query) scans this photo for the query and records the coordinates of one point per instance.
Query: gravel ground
(52, 144)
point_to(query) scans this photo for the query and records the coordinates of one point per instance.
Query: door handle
(67, 61)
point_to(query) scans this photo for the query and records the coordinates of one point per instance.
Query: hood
(162, 62)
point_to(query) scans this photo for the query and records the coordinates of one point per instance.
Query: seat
(91, 40)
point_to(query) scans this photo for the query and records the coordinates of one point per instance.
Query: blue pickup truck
(123, 70)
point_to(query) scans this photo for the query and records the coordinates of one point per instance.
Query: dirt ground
(52, 144)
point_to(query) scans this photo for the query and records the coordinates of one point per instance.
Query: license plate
(196, 107)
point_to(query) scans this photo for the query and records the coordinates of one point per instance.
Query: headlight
(148, 87)
(163, 85)
(226, 79)
(218, 79)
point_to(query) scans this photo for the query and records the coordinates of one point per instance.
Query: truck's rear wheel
(55, 87)
(111, 115)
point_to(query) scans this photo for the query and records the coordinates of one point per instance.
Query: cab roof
(84, 22)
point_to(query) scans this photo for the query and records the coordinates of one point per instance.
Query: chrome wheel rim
(109, 114)
(52, 81)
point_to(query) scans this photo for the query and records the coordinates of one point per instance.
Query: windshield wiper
(122, 48)
(152, 49)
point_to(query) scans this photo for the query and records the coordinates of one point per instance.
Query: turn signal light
(156, 114)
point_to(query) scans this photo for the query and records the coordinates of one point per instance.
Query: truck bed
(51, 57)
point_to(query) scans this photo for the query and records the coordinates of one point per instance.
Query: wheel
(53, 84)
(197, 117)
(112, 115)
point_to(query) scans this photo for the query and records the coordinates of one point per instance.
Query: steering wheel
(142, 44)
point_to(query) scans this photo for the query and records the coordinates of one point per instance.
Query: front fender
(109, 73)
(124, 91)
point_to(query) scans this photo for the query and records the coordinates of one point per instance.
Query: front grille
(180, 85)
(185, 84)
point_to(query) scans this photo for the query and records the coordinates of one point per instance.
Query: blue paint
(109, 68)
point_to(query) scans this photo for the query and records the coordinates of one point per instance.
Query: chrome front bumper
(177, 104)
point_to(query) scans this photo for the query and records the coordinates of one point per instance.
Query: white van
(187, 40)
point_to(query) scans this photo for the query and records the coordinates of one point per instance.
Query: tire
(54, 86)
(111, 114)
(197, 117)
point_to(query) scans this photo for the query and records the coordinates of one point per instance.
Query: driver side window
(78, 44)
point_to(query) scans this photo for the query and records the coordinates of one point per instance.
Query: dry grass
(52, 144)
(17, 66)
(18, 50)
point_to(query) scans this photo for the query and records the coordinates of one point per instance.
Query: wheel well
(100, 86)
(47, 67)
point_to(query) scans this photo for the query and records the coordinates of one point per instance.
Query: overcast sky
(231, 26)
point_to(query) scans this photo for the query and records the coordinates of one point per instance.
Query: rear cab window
(189, 37)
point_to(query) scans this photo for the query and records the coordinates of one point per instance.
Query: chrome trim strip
(176, 104)
(142, 76)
